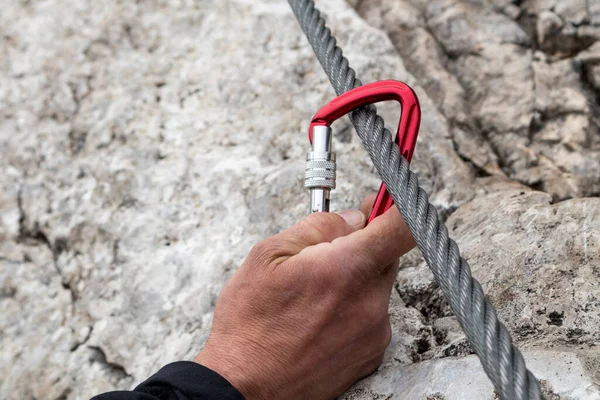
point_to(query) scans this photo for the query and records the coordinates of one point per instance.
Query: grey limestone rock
(146, 146)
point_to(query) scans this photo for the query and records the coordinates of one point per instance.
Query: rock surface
(145, 147)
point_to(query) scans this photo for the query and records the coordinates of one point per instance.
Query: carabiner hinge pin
(320, 169)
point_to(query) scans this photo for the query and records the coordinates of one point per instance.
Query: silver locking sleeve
(320, 169)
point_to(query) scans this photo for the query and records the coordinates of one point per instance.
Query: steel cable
(490, 339)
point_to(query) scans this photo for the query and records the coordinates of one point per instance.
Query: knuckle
(265, 251)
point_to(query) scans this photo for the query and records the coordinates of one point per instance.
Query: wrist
(247, 376)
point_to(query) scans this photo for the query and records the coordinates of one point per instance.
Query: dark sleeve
(182, 380)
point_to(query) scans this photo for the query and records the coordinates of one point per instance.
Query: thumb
(381, 243)
(314, 229)
(322, 227)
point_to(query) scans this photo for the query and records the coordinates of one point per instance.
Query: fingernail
(354, 218)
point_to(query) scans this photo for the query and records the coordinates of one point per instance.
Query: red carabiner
(408, 127)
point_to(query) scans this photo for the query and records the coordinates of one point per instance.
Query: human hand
(306, 315)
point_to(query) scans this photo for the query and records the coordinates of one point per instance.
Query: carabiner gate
(320, 170)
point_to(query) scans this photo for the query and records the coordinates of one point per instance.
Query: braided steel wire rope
(501, 360)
